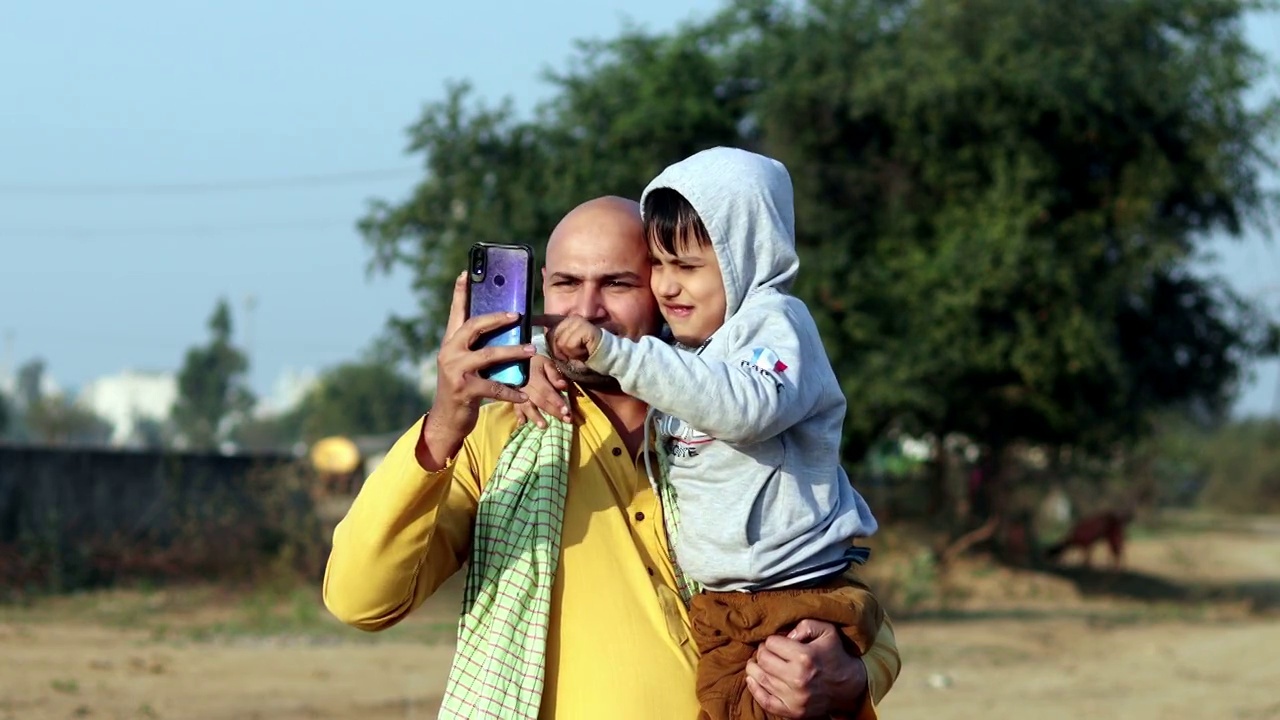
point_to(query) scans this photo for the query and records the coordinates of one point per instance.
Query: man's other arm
(406, 533)
(883, 665)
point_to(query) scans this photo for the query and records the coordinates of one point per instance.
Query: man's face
(598, 268)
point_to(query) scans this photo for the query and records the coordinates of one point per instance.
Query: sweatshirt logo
(766, 363)
(767, 360)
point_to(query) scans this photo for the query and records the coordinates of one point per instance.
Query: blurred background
(1037, 237)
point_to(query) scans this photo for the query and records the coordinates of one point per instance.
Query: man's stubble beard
(577, 371)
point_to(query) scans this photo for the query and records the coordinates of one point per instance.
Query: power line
(105, 341)
(202, 188)
(91, 233)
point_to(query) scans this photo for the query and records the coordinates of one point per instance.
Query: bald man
(618, 642)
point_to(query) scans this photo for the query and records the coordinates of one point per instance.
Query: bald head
(609, 219)
(598, 268)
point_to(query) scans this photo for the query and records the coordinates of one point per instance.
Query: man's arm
(406, 533)
(883, 663)
(410, 527)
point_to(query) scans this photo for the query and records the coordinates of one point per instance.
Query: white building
(289, 389)
(128, 399)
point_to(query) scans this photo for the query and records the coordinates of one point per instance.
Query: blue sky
(153, 93)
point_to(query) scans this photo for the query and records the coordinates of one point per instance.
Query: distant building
(130, 401)
(288, 391)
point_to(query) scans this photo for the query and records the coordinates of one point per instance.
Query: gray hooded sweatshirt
(752, 421)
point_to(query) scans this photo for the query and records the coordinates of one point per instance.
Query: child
(749, 413)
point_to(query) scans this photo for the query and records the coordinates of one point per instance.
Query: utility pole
(250, 304)
(6, 370)
(1275, 399)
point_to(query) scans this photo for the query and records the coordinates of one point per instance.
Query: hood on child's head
(747, 204)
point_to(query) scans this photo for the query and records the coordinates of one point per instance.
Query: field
(1189, 627)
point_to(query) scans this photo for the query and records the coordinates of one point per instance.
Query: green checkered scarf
(500, 662)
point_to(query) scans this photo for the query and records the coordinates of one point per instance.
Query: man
(618, 640)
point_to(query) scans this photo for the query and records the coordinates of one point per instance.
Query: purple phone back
(504, 288)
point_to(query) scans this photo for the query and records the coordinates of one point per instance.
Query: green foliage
(625, 109)
(1241, 462)
(30, 377)
(212, 385)
(57, 419)
(35, 417)
(360, 398)
(1232, 466)
(365, 397)
(276, 433)
(998, 201)
(152, 434)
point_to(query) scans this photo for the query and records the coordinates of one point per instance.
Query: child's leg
(724, 648)
(728, 627)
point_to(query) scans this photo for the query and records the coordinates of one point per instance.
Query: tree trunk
(939, 481)
(988, 500)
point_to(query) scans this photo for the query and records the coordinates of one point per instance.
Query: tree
(359, 398)
(5, 415)
(998, 201)
(27, 394)
(30, 382)
(57, 419)
(212, 385)
(1020, 188)
(627, 108)
(151, 433)
(278, 433)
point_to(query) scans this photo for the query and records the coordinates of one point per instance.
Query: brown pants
(729, 626)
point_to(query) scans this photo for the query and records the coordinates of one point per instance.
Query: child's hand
(574, 338)
(544, 387)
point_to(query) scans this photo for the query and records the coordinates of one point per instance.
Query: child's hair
(671, 223)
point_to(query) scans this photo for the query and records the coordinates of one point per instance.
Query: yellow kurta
(619, 644)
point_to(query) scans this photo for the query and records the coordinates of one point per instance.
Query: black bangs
(671, 223)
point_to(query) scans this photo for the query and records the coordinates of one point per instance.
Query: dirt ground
(1190, 628)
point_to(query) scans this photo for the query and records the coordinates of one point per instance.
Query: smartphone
(501, 280)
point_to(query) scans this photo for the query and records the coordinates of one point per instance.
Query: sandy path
(1097, 657)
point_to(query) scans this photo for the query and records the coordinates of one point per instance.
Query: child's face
(689, 290)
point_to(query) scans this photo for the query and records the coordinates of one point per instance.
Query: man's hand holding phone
(459, 386)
